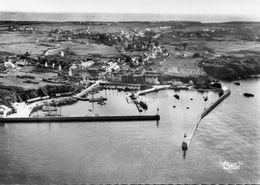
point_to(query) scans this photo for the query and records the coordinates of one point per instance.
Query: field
(11, 79)
(176, 66)
(231, 46)
(232, 39)
(36, 44)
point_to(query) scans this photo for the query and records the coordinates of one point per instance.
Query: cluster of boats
(178, 97)
(66, 101)
(121, 88)
(245, 94)
(51, 108)
(139, 104)
(98, 99)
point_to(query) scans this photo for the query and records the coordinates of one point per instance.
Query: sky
(227, 7)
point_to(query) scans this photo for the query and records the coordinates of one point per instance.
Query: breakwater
(154, 89)
(80, 119)
(204, 113)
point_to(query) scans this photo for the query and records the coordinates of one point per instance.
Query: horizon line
(165, 17)
(156, 13)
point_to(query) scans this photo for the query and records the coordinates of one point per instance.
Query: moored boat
(176, 96)
(97, 99)
(132, 96)
(143, 105)
(248, 95)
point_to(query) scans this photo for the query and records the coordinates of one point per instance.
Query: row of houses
(53, 52)
(112, 71)
(22, 28)
(10, 64)
(129, 77)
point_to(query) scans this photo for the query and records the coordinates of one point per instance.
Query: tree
(128, 59)
(184, 46)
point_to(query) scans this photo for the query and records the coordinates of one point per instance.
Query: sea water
(225, 147)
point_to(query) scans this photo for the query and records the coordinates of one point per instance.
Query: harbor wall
(204, 113)
(80, 119)
(226, 94)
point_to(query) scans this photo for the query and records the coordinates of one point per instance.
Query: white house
(87, 63)
(9, 64)
(61, 53)
(46, 53)
(111, 66)
(70, 72)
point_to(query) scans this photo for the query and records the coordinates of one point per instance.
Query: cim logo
(231, 166)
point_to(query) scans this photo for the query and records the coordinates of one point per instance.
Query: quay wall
(80, 119)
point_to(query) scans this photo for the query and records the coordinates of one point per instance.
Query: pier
(87, 90)
(203, 114)
(154, 89)
(83, 119)
(136, 95)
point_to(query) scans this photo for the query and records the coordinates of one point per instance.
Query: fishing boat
(102, 103)
(132, 96)
(52, 114)
(120, 88)
(143, 105)
(93, 92)
(127, 89)
(137, 104)
(97, 99)
(248, 95)
(176, 96)
(220, 93)
(82, 98)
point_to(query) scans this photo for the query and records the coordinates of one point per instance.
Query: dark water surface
(139, 152)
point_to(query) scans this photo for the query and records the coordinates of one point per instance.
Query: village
(68, 61)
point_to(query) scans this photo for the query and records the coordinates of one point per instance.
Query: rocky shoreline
(14, 94)
(232, 68)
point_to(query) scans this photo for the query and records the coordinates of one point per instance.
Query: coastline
(24, 110)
